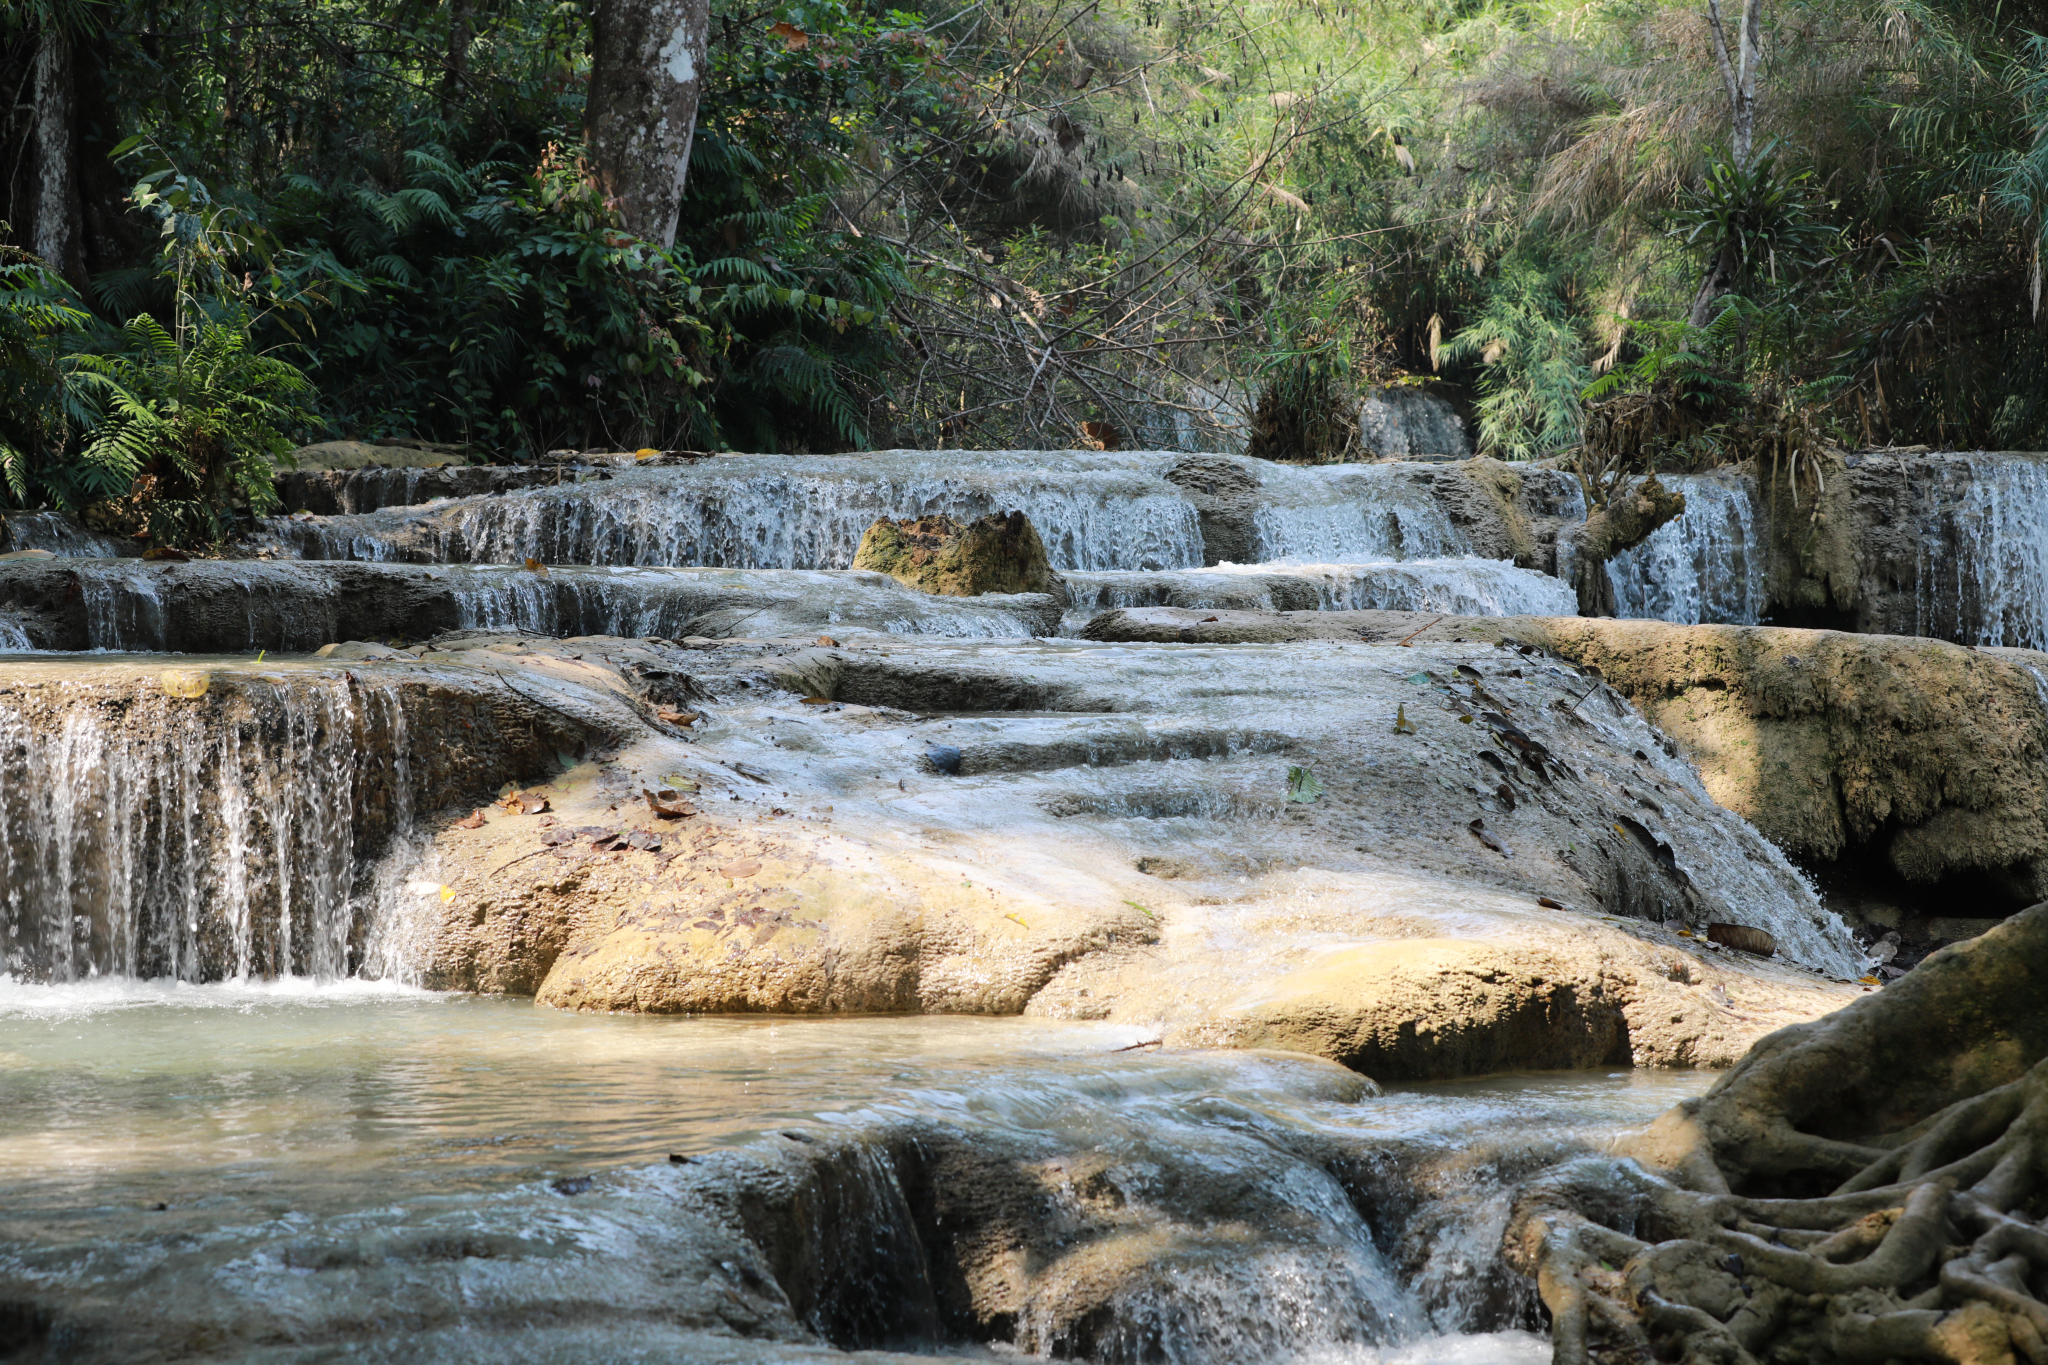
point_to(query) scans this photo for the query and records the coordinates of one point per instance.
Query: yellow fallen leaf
(1016, 920)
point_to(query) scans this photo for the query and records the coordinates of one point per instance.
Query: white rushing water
(1706, 567)
(193, 842)
(1094, 510)
(1983, 556)
(1465, 586)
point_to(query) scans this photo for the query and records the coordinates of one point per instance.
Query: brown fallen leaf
(530, 803)
(474, 820)
(1548, 904)
(678, 717)
(535, 566)
(793, 38)
(668, 803)
(744, 868)
(828, 642)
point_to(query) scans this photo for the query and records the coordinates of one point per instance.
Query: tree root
(1866, 1188)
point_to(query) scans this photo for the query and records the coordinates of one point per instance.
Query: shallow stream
(168, 1141)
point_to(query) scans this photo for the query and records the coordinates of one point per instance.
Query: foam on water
(1706, 566)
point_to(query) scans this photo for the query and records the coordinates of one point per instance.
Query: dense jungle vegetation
(1014, 222)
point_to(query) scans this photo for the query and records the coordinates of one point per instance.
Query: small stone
(943, 758)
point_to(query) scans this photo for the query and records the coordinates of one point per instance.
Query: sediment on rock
(1011, 828)
(1861, 1188)
(949, 558)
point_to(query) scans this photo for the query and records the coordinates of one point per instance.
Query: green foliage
(1759, 218)
(39, 327)
(188, 427)
(1531, 342)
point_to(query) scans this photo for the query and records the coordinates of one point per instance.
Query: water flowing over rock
(1407, 420)
(1095, 511)
(252, 605)
(1710, 565)
(232, 834)
(1114, 833)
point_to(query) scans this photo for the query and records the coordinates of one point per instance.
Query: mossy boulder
(949, 558)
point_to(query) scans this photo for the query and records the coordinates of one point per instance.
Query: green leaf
(1302, 785)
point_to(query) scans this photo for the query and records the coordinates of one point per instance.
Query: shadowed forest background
(1023, 223)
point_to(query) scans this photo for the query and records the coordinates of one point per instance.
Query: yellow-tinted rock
(185, 682)
(942, 556)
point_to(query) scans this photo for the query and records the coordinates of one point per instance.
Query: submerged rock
(939, 555)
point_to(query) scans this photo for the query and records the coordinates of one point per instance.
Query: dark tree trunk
(646, 72)
(55, 235)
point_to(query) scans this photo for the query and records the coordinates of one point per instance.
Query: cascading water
(1461, 587)
(1983, 556)
(1707, 566)
(1094, 511)
(201, 839)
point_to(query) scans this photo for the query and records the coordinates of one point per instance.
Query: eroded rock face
(1948, 544)
(949, 558)
(1108, 834)
(209, 606)
(1929, 755)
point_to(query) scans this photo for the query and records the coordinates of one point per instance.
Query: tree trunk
(1738, 78)
(55, 235)
(646, 72)
(1627, 520)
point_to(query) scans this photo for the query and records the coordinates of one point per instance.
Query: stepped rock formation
(948, 558)
(1930, 755)
(870, 830)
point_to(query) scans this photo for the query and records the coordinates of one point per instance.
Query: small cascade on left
(223, 835)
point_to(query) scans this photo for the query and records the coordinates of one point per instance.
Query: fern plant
(188, 431)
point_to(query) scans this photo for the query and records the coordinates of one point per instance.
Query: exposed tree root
(1869, 1187)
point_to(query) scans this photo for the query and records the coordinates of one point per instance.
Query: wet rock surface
(1928, 756)
(949, 558)
(1109, 834)
(224, 605)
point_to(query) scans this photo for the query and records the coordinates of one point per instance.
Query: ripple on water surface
(137, 1117)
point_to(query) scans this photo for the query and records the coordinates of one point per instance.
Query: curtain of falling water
(222, 837)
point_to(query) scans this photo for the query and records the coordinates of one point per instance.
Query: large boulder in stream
(937, 554)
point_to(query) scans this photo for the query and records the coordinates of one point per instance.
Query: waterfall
(1095, 510)
(1456, 587)
(1351, 514)
(203, 839)
(1707, 566)
(1983, 555)
(61, 536)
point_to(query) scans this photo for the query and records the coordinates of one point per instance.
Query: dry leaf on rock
(473, 820)
(668, 803)
(746, 867)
